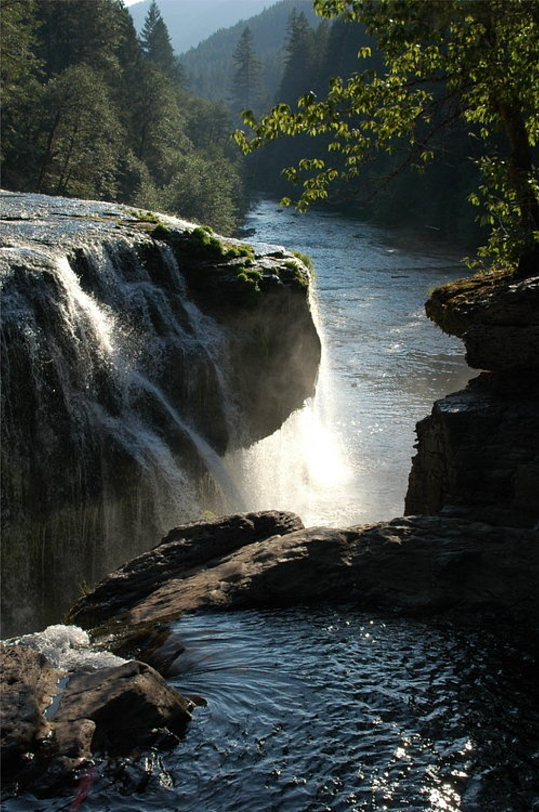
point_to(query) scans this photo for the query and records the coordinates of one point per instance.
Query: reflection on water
(384, 364)
(326, 710)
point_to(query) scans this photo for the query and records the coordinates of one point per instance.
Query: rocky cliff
(478, 451)
(136, 350)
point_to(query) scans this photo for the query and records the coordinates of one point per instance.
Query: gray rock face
(478, 454)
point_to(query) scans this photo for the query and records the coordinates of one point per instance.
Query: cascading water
(118, 397)
(302, 467)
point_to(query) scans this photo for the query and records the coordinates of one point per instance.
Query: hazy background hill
(206, 32)
(191, 21)
(208, 67)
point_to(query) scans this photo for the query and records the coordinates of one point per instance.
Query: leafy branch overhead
(433, 66)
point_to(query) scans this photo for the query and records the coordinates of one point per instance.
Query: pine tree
(247, 75)
(300, 60)
(156, 45)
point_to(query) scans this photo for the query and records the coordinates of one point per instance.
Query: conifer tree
(299, 59)
(247, 73)
(156, 45)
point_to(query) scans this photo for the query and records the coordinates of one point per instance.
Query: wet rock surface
(478, 454)
(55, 721)
(416, 564)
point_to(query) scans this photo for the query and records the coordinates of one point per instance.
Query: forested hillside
(92, 111)
(209, 67)
(286, 52)
(191, 21)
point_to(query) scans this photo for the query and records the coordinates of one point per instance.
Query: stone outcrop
(496, 315)
(423, 564)
(183, 550)
(53, 721)
(478, 451)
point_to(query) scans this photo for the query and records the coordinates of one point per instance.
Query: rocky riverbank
(478, 451)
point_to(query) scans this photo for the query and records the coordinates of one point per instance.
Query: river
(346, 459)
(330, 710)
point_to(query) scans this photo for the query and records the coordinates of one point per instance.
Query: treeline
(388, 189)
(91, 110)
(208, 66)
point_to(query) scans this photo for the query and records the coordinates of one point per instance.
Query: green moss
(145, 216)
(161, 232)
(306, 259)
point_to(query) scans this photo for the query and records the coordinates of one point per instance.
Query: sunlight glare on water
(329, 710)
(383, 365)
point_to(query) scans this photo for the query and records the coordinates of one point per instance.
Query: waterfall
(116, 396)
(304, 466)
(135, 364)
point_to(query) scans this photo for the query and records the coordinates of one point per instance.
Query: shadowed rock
(478, 454)
(415, 564)
(183, 549)
(53, 721)
(478, 451)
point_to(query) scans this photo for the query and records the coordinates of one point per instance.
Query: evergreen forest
(91, 108)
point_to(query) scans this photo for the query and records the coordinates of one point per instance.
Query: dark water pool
(314, 710)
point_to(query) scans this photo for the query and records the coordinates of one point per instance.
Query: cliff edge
(478, 451)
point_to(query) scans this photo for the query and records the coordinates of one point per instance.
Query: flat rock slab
(182, 551)
(422, 564)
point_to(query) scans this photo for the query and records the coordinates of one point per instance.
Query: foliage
(90, 111)
(246, 77)
(474, 63)
(156, 45)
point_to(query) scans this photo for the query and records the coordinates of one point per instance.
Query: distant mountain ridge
(208, 67)
(191, 21)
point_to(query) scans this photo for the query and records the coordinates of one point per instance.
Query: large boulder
(53, 720)
(27, 684)
(414, 564)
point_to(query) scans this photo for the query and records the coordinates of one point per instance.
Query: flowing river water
(325, 709)
(346, 459)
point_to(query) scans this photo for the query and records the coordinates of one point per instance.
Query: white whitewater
(304, 466)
